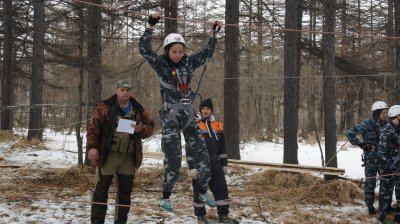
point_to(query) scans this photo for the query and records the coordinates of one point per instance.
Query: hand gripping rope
(215, 29)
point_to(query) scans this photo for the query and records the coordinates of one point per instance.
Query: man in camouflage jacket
(114, 151)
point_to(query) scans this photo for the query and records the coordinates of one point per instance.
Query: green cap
(124, 83)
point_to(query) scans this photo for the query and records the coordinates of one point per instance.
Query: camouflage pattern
(174, 115)
(369, 129)
(389, 162)
(121, 163)
(122, 141)
(100, 129)
(164, 67)
(172, 148)
(124, 83)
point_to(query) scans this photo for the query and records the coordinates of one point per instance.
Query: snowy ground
(49, 204)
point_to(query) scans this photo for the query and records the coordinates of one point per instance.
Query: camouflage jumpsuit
(388, 159)
(369, 129)
(174, 114)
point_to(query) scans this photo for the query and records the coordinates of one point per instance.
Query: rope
(125, 11)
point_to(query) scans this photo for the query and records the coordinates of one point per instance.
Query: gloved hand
(225, 168)
(216, 26)
(153, 19)
(193, 173)
(365, 147)
(198, 116)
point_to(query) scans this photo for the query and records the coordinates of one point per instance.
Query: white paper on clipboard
(127, 126)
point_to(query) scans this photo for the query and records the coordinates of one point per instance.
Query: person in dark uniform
(369, 129)
(213, 134)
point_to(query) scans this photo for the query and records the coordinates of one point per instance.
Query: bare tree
(171, 11)
(35, 114)
(292, 57)
(329, 91)
(94, 58)
(94, 54)
(397, 34)
(231, 82)
(8, 71)
(78, 125)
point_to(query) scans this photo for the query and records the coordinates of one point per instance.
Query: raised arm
(200, 58)
(145, 47)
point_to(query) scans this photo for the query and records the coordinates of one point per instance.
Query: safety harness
(185, 103)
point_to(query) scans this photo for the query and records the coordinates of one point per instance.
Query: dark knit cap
(206, 103)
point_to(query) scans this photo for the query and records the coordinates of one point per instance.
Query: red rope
(110, 8)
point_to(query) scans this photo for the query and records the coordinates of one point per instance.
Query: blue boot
(208, 199)
(165, 204)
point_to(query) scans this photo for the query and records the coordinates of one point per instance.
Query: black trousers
(100, 194)
(219, 188)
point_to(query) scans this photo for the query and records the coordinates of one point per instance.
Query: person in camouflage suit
(389, 161)
(175, 71)
(116, 152)
(369, 129)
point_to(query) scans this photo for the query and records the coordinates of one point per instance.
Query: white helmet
(378, 105)
(173, 38)
(394, 111)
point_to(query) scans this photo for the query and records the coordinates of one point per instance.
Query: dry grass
(302, 188)
(269, 196)
(297, 197)
(25, 143)
(151, 179)
(8, 136)
(78, 176)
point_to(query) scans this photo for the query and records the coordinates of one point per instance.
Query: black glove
(153, 21)
(365, 147)
(217, 26)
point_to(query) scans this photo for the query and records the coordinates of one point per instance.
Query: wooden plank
(273, 166)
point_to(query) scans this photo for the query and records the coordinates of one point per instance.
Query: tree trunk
(292, 55)
(390, 32)
(359, 23)
(171, 10)
(349, 109)
(94, 58)
(80, 86)
(35, 114)
(397, 34)
(259, 31)
(231, 82)
(94, 54)
(345, 41)
(329, 92)
(8, 71)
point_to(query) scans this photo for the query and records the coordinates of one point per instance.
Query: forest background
(300, 69)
